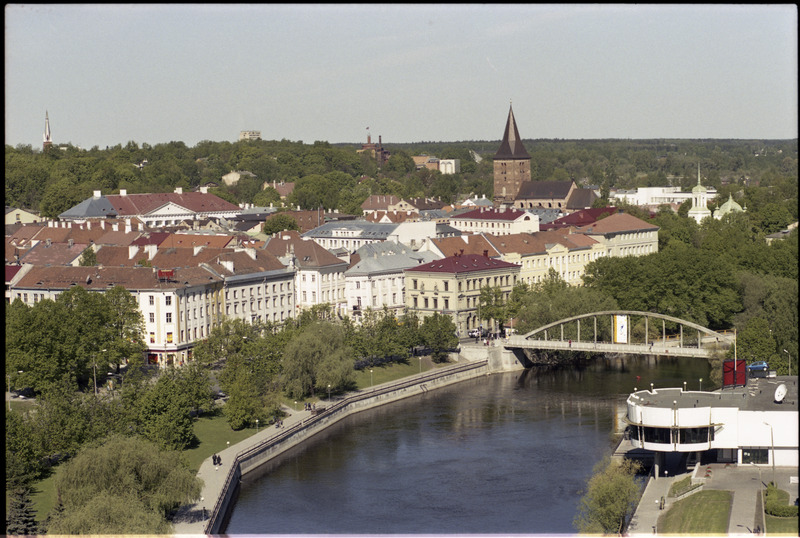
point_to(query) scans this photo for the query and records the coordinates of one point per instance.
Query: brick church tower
(512, 164)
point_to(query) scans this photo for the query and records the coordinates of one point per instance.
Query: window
(169, 317)
(755, 455)
(168, 300)
(152, 317)
(152, 300)
(152, 338)
(169, 338)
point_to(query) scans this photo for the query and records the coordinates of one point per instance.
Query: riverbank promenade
(191, 519)
(742, 480)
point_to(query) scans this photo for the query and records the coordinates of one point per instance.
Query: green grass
(213, 434)
(782, 525)
(706, 512)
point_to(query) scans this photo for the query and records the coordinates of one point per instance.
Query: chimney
(485, 253)
(227, 264)
(178, 190)
(97, 194)
(203, 190)
(71, 242)
(115, 226)
(127, 225)
(196, 250)
(132, 250)
(49, 242)
(151, 251)
(103, 224)
(123, 192)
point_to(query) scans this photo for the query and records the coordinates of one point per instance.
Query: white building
(501, 221)
(450, 166)
(377, 280)
(740, 425)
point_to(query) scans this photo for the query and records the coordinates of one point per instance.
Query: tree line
(340, 177)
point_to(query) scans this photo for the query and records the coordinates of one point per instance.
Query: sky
(155, 73)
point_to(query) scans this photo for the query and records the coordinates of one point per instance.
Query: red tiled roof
(619, 222)
(141, 204)
(308, 252)
(462, 264)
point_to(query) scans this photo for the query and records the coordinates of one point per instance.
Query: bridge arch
(682, 322)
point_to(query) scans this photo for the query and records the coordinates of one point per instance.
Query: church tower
(699, 211)
(512, 164)
(48, 141)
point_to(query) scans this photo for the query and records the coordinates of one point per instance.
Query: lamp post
(256, 425)
(420, 365)
(95, 371)
(329, 391)
(370, 377)
(701, 384)
(789, 357)
(295, 405)
(772, 442)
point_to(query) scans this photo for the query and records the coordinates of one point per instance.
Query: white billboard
(620, 329)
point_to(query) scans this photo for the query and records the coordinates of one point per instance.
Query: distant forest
(338, 177)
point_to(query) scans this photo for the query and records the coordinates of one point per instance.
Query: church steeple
(512, 164)
(48, 141)
(511, 147)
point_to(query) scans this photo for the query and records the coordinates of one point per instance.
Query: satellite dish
(780, 393)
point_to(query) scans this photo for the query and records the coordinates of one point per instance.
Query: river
(506, 453)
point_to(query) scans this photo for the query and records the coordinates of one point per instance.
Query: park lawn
(705, 512)
(213, 435)
(782, 525)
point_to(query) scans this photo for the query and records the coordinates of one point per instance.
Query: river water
(505, 453)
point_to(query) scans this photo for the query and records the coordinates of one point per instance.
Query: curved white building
(738, 425)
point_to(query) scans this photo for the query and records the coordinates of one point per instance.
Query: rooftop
(757, 395)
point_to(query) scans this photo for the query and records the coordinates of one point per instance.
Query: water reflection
(507, 453)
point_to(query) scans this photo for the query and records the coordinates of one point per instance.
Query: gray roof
(90, 208)
(365, 230)
(388, 257)
(546, 214)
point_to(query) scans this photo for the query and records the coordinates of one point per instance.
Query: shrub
(776, 503)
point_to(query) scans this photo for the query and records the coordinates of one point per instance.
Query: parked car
(760, 366)
(478, 333)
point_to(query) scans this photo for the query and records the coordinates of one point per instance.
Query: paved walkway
(742, 480)
(190, 521)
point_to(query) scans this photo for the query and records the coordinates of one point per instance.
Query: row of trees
(55, 180)
(259, 363)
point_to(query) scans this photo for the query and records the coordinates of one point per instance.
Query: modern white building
(741, 425)
(501, 221)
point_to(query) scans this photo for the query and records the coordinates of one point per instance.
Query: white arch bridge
(698, 341)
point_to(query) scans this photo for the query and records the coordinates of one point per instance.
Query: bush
(682, 486)
(776, 503)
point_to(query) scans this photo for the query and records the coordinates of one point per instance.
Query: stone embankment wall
(250, 459)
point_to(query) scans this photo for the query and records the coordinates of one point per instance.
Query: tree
(492, 306)
(318, 356)
(124, 485)
(88, 258)
(610, 498)
(439, 334)
(279, 223)
(21, 518)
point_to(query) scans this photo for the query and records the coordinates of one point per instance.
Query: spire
(511, 147)
(48, 141)
(698, 173)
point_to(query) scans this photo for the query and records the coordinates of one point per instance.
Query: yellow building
(452, 286)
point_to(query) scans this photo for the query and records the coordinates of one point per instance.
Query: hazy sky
(156, 73)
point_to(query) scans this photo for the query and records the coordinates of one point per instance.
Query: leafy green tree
(492, 307)
(226, 340)
(280, 223)
(610, 499)
(21, 519)
(164, 412)
(124, 485)
(755, 342)
(317, 357)
(88, 258)
(439, 334)
(379, 336)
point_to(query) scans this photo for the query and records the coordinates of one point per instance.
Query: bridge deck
(657, 348)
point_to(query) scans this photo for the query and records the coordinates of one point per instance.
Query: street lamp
(95, 371)
(420, 365)
(295, 405)
(329, 391)
(701, 384)
(790, 361)
(772, 441)
(9, 388)
(370, 377)
(256, 425)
